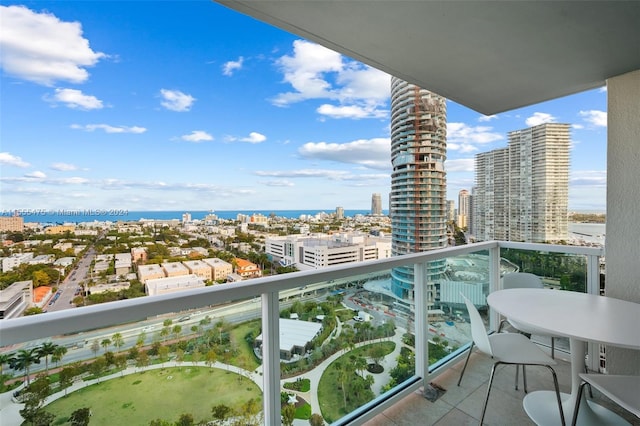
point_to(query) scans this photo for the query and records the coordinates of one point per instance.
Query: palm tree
(45, 350)
(58, 354)
(5, 359)
(105, 343)
(23, 360)
(117, 340)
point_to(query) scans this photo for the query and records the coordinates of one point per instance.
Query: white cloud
(230, 67)
(63, 167)
(36, 175)
(577, 126)
(305, 173)
(109, 129)
(371, 153)
(463, 138)
(197, 136)
(588, 178)
(175, 100)
(254, 137)
(7, 159)
(278, 183)
(76, 99)
(351, 111)
(540, 118)
(603, 89)
(595, 117)
(460, 165)
(38, 47)
(315, 72)
(485, 118)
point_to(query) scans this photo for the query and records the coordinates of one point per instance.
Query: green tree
(5, 359)
(185, 419)
(58, 354)
(117, 340)
(45, 350)
(316, 420)
(95, 347)
(66, 377)
(105, 343)
(288, 414)
(34, 397)
(221, 413)
(80, 417)
(23, 360)
(176, 330)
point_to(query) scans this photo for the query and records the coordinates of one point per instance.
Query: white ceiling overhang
(490, 56)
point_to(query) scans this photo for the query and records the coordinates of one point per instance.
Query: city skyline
(198, 107)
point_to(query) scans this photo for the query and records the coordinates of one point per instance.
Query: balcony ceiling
(491, 56)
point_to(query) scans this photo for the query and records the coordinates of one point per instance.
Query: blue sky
(191, 106)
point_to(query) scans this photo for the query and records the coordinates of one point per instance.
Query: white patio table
(582, 318)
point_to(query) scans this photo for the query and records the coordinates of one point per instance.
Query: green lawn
(245, 359)
(139, 398)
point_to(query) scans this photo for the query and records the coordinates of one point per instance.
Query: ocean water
(114, 215)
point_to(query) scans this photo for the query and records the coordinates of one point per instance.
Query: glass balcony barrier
(343, 343)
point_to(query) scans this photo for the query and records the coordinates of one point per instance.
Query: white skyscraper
(522, 191)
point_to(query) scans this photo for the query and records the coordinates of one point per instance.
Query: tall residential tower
(376, 204)
(418, 181)
(522, 191)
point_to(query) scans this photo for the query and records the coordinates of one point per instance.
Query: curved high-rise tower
(418, 182)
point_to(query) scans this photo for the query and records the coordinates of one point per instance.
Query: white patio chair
(623, 390)
(524, 280)
(507, 348)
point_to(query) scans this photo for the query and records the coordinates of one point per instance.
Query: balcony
(255, 306)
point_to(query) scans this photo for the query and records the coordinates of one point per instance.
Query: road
(67, 288)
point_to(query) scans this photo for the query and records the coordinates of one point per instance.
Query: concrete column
(622, 247)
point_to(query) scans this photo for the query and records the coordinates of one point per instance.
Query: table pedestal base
(542, 408)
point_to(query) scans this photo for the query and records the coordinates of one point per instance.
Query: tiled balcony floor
(463, 405)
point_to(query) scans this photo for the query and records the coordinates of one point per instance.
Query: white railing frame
(29, 328)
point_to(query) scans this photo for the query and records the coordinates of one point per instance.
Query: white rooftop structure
(295, 334)
(157, 286)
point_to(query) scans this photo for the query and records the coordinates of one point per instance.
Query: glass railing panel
(203, 357)
(354, 338)
(558, 270)
(449, 328)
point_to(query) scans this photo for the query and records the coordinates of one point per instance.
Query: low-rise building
(322, 250)
(42, 259)
(247, 269)
(15, 260)
(174, 269)
(150, 272)
(199, 268)
(113, 287)
(220, 269)
(139, 255)
(11, 224)
(123, 263)
(15, 299)
(158, 286)
(295, 337)
(59, 229)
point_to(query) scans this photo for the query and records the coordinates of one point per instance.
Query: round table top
(569, 314)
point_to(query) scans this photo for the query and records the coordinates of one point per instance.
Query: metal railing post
(494, 283)
(421, 321)
(271, 358)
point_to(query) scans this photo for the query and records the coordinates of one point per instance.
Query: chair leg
(486, 399)
(524, 378)
(517, 374)
(577, 406)
(553, 348)
(465, 363)
(557, 388)
(500, 325)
